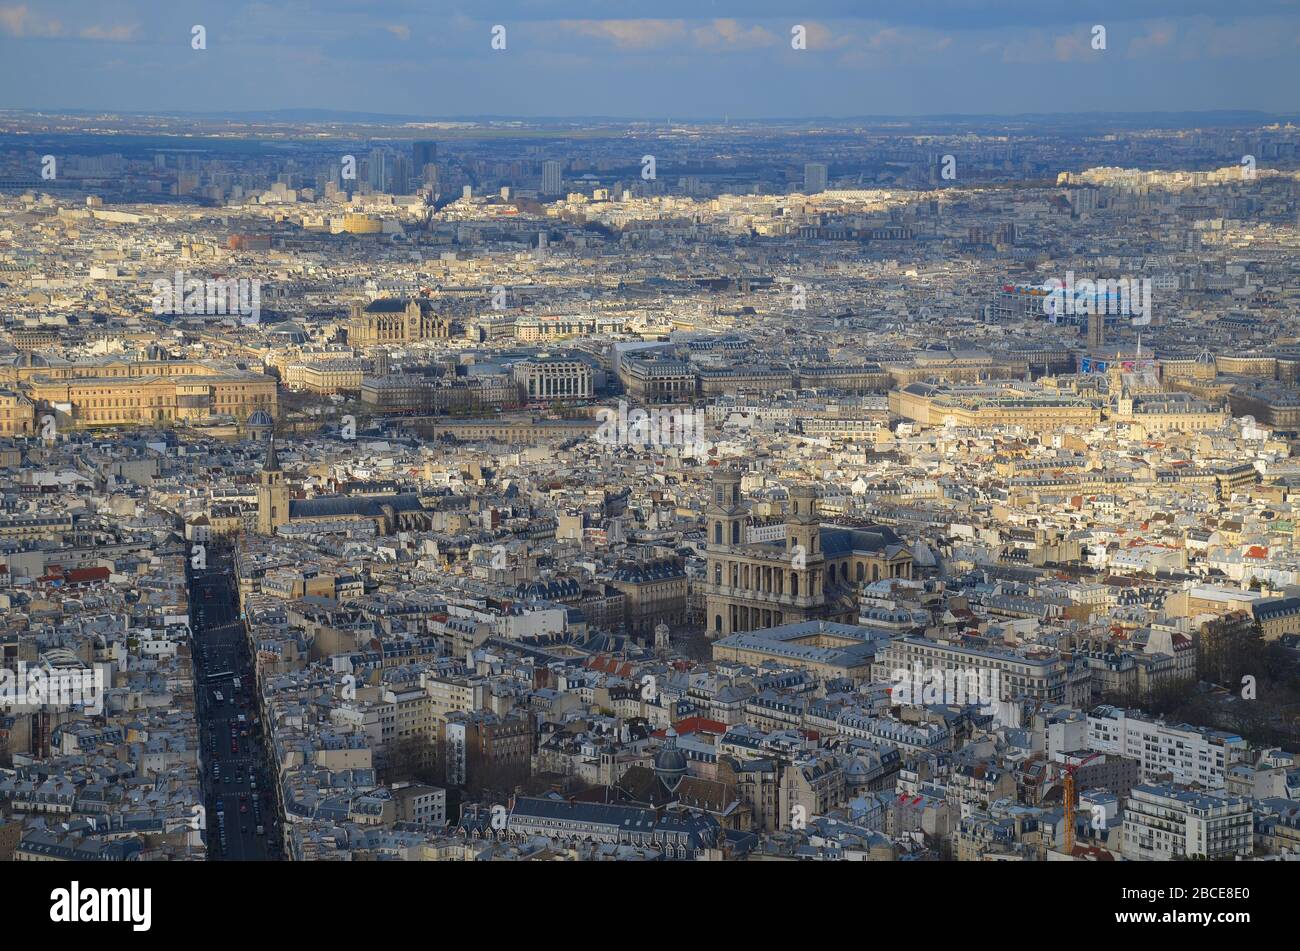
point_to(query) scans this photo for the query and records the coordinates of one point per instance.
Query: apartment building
(17, 414)
(1184, 753)
(482, 747)
(326, 377)
(811, 786)
(1015, 674)
(1278, 616)
(455, 694)
(419, 804)
(1163, 822)
(653, 592)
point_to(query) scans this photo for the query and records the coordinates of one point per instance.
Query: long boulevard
(241, 817)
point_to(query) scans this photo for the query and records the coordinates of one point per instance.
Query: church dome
(670, 762)
(260, 425)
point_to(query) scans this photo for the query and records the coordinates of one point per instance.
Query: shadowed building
(652, 593)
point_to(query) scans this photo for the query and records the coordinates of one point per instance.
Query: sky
(652, 59)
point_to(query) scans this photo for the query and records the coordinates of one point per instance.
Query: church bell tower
(272, 495)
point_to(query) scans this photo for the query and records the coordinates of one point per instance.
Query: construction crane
(1070, 808)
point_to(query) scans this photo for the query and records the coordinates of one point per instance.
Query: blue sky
(660, 59)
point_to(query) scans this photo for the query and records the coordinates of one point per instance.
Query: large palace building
(984, 405)
(117, 392)
(811, 573)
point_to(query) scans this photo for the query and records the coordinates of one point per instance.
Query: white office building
(814, 178)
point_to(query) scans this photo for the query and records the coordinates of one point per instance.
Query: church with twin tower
(813, 572)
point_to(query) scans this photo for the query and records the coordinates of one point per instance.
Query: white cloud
(119, 34)
(732, 35)
(630, 34)
(20, 21)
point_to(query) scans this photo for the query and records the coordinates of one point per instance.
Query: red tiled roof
(76, 575)
(699, 725)
(611, 665)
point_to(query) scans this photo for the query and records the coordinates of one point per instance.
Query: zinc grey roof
(366, 506)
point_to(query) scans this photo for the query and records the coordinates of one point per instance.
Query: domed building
(260, 426)
(670, 762)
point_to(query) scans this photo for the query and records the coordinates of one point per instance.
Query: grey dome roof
(670, 762)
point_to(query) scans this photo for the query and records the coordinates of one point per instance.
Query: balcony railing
(764, 597)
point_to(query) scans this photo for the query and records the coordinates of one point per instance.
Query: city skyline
(745, 434)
